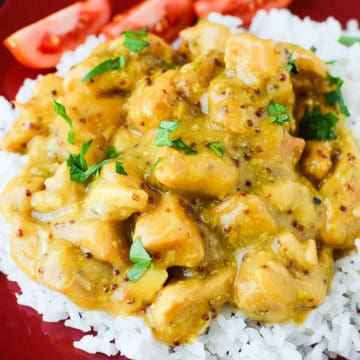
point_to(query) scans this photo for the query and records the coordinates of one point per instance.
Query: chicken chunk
(295, 206)
(175, 239)
(275, 287)
(202, 37)
(32, 121)
(239, 216)
(197, 174)
(53, 197)
(316, 160)
(184, 309)
(104, 240)
(342, 193)
(115, 196)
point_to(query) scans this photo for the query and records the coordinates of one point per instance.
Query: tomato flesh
(163, 17)
(41, 44)
(245, 9)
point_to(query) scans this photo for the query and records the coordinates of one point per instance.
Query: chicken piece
(239, 216)
(184, 309)
(301, 254)
(202, 37)
(115, 196)
(242, 54)
(175, 239)
(316, 160)
(35, 115)
(272, 287)
(295, 206)
(149, 105)
(341, 192)
(130, 297)
(61, 266)
(194, 78)
(104, 240)
(15, 200)
(197, 174)
(54, 197)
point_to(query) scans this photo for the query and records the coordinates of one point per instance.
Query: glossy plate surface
(23, 335)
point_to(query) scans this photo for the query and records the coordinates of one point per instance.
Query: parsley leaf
(141, 259)
(154, 165)
(335, 96)
(278, 113)
(168, 65)
(217, 148)
(315, 125)
(133, 42)
(348, 40)
(119, 168)
(291, 65)
(313, 49)
(196, 66)
(163, 133)
(106, 66)
(61, 111)
(113, 154)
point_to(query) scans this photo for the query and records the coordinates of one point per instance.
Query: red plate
(23, 334)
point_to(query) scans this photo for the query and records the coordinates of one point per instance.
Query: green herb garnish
(106, 66)
(217, 148)
(79, 170)
(196, 66)
(331, 62)
(133, 40)
(335, 96)
(168, 64)
(61, 111)
(154, 165)
(348, 40)
(278, 113)
(291, 65)
(315, 125)
(141, 259)
(113, 154)
(163, 133)
(119, 168)
(313, 49)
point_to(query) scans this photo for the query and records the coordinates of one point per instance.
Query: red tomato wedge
(162, 17)
(41, 44)
(245, 9)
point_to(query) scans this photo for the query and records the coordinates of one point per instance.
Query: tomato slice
(162, 17)
(41, 44)
(245, 9)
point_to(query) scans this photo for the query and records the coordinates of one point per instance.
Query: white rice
(333, 328)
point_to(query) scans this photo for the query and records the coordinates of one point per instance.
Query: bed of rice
(333, 328)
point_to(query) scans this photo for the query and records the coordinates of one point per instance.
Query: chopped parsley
(79, 170)
(291, 65)
(313, 49)
(315, 125)
(217, 148)
(348, 40)
(278, 113)
(106, 66)
(133, 41)
(113, 154)
(196, 66)
(141, 259)
(335, 96)
(163, 139)
(61, 111)
(168, 64)
(331, 62)
(154, 165)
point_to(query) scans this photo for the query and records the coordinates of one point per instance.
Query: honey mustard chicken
(165, 184)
